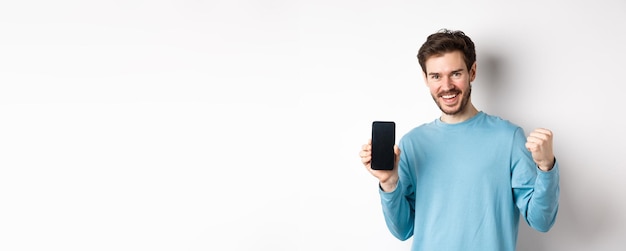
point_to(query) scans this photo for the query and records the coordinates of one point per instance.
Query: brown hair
(444, 41)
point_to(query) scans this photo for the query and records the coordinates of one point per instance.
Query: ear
(472, 72)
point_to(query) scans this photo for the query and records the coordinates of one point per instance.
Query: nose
(447, 83)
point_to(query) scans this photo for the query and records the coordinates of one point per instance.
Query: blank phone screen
(383, 140)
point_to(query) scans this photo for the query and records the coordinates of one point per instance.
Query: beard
(465, 99)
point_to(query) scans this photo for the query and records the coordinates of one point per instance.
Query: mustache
(454, 91)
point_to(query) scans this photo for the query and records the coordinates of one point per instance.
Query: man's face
(449, 80)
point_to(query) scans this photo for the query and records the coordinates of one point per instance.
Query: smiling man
(462, 181)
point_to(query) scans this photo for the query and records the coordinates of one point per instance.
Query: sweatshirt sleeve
(398, 205)
(536, 192)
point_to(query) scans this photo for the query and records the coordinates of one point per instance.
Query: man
(462, 181)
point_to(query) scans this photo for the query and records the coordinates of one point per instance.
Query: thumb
(396, 151)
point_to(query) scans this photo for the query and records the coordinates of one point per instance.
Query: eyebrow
(437, 73)
(456, 71)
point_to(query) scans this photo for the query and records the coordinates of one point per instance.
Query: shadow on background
(491, 90)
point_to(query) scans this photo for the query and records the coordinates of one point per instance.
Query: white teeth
(448, 96)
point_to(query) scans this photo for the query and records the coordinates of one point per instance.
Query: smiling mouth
(448, 96)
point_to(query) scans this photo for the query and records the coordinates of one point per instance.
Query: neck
(469, 112)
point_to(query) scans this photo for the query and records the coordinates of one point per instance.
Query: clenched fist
(539, 143)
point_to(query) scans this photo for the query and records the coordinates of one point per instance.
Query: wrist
(547, 166)
(389, 185)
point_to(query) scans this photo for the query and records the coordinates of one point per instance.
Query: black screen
(383, 140)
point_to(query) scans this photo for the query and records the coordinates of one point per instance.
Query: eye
(434, 76)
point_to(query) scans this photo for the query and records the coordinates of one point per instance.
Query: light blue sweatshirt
(464, 186)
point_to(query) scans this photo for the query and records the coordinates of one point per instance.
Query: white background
(236, 125)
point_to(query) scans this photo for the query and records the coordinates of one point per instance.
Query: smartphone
(383, 140)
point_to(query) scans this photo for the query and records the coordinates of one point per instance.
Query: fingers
(533, 142)
(541, 134)
(539, 143)
(538, 139)
(366, 150)
(532, 147)
(366, 153)
(367, 147)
